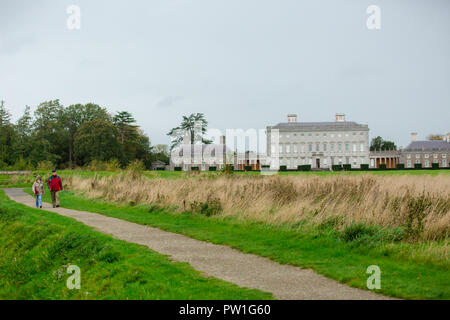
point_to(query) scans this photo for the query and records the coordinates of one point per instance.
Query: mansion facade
(319, 144)
(426, 153)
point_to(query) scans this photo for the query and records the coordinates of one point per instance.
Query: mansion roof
(320, 126)
(428, 145)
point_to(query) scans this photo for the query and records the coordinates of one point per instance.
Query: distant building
(249, 159)
(447, 137)
(426, 153)
(319, 144)
(390, 158)
(201, 156)
(158, 165)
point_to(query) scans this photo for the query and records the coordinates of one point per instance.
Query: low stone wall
(15, 173)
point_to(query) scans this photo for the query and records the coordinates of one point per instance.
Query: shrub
(212, 206)
(435, 165)
(248, 168)
(21, 164)
(113, 165)
(228, 169)
(305, 167)
(96, 165)
(283, 168)
(417, 166)
(347, 167)
(212, 168)
(136, 168)
(177, 169)
(382, 167)
(364, 167)
(355, 231)
(417, 207)
(3, 165)
(45, 165)
(336, 167)
(195, 169)
(400, 166)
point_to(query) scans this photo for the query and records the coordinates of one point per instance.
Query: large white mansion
(319, 144)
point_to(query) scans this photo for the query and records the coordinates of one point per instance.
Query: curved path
(246, 270)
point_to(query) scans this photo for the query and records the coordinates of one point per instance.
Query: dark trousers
(55, 197)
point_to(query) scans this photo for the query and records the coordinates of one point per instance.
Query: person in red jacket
(54, 183)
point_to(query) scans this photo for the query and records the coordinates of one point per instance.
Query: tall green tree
(5, 116)
(50, 132)
(194, 126)
(125, 124)
(7, 134)
(143, 149)
(378, 144)
(96, 140)
(23, 143)
(62, 135)
(75, 115)
(130, 137)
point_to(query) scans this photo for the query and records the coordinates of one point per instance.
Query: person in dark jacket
(54, 183)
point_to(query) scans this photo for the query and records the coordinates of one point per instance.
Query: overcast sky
(244, 63)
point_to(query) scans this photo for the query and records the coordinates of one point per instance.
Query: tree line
(77, 135)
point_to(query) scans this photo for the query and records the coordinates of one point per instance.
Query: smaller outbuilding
(158, 165)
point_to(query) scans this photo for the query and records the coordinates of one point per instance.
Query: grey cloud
(167, 101)
(245, 64)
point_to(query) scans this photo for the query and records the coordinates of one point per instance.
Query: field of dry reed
(418, 204)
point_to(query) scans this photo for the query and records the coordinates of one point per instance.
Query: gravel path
(245, 270)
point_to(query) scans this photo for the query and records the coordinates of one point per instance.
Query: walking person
(38, 190)
(54, 183)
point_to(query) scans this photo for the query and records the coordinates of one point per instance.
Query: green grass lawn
(36, 247)
(404, 275)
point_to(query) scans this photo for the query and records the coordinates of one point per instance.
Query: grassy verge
(408, 269)
(22, 181)
(37, 246)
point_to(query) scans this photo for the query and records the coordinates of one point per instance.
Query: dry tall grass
(419, 203)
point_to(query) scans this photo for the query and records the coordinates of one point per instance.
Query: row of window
(426, 155)
(317, 134)
(427, 163)
(317, 147)
(324, 161)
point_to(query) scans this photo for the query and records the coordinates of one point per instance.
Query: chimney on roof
(340, 117)
(292, 118)
(447, 137)
(413, 136)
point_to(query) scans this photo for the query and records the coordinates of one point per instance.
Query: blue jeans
(38, 200)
